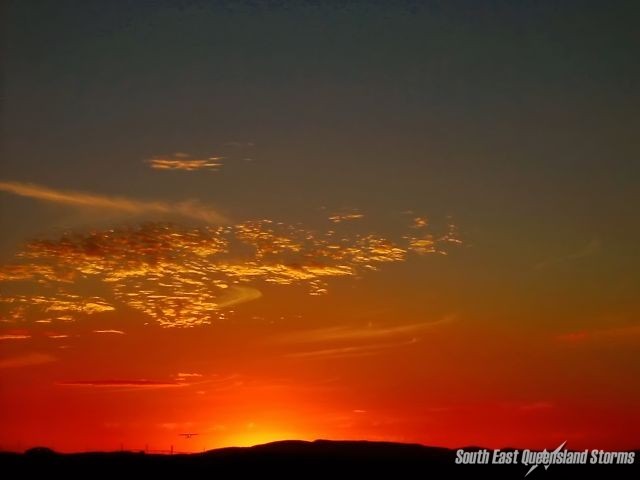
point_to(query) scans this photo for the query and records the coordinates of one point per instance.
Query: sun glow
(258, 434)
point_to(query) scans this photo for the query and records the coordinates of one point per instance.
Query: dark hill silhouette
(297, 459)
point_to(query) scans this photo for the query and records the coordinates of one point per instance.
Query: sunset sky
(257, 222)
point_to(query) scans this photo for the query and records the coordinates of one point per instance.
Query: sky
(282, 220)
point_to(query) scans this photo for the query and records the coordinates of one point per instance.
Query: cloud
(188, 375)
(344, 217)
(188, 209)
(181, 161)
(18, 272)
(110, 331)
(236, 295)
(420, 222)
(59, 305)
(356, 341)
(350, 351)
(423, 245)
(27, 360)
(614, 334)
(185, 276)
(133, 383)
(360, 341)
(129, 384)
(591, 248)
(10, 336)
(427, 243)
(352, 333)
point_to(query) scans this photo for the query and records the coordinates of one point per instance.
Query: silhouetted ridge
(296, 459)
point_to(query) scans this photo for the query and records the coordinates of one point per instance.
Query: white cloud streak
(189, 209)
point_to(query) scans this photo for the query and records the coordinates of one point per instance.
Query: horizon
(170, 451)
(410, 222)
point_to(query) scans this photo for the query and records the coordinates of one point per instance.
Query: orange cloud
(181, 161)
(621, 333)
(18, 272)
(10, 336)
(187, 276)
(189, 209)
(344, 217)
(236, 295)
(348, 332)
(350, 351)
(361, 341)
(420, 222)
(60, 305)
(27, 360)
(135, 383)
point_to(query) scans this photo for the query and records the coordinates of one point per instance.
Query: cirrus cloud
(27, 360)
(182, 161)
(183, 276)
(188, 209)
(135, 383)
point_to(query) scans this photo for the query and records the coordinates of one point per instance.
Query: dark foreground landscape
(297, 459)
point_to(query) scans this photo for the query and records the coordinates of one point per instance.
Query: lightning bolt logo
(533, 467)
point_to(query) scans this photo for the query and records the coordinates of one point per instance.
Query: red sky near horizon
(366, 223)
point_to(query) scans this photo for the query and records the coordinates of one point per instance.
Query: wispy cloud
(59, 305)
(110, 331)
(351, 350)
(186, 276)
(134, 383)
(420, 222)
(10, 336)
(345, 217)
(353, 341)
(189, 209)
(354, 333)
(57, 336)
(27, 360)
(18, 272)
(130, 384)
(235, 295)
(615, 334)
(591, 248)
(182, 161)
